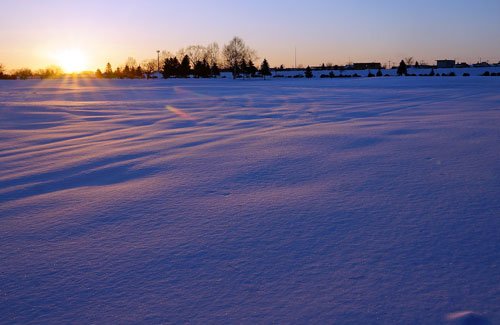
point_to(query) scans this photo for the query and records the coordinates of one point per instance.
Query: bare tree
(165, 55)
(212, 54)
(23, 73)
(409, 61)
(235, 52)
(149, 67)
(196, 53)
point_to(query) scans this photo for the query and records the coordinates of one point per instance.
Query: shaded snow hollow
(366, 201)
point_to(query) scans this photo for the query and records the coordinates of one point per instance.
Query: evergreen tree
(139, 73)
(197, 69)
(126, 72)
(206, 69)
(244, 67)
(379, 73)
(98, 74)
(108, 73)
(264, 69)
(252, 70)
(308, 73)
(118, 73)
(432, 74)
(201, 69)
(170, 68)
(402, 69)
(214, 70)
(185, 67)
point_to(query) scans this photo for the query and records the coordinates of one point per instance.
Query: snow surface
(359, 201)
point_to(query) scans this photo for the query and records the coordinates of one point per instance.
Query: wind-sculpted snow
(360, 201)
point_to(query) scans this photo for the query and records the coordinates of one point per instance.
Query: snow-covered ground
(359, 201)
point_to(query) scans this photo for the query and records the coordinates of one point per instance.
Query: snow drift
(366, 201)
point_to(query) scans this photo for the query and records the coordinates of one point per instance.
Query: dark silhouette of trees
(215, 71)
(201, 69)
(126, 73)
(402, 69)
(252, 70)
(409, 61)
(244, 67)
(170, 67)
(264, 69)
(185, 67)
(308, 73)
(138, 72)
(379, 73)
(98, 74)
(432, 74)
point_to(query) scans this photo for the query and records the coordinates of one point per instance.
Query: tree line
(195, 61)
(25, 73)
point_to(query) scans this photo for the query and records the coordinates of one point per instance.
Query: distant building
(445, 64)
(366, 66)
(425, 66)
(462, 65)
(481, 65)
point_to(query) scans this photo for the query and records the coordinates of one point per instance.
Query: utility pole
(158, 52)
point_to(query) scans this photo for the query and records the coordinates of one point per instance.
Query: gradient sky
(32, 32)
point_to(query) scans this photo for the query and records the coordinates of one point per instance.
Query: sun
(72, 60)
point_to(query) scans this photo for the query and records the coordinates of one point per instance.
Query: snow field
(360, 201)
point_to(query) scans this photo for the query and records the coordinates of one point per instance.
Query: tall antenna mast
(158, 52)
(295, 59)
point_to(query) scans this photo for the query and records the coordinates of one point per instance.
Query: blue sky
(336, 31)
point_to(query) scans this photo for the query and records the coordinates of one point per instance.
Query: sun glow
(72, 60)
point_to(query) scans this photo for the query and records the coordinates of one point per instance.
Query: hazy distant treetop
(2, 68)
(131, 63)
